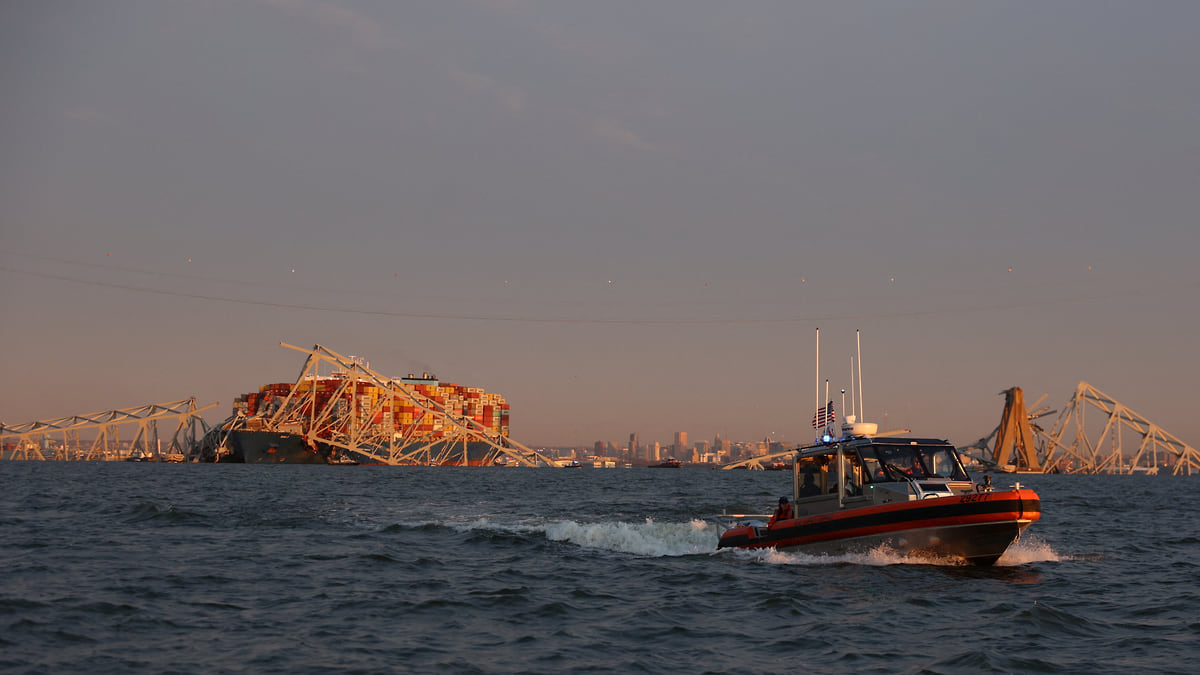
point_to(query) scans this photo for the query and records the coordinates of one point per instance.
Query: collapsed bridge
(60, 438)
(345, 412)
(1080, 441)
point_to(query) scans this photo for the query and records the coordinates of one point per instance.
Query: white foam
(1026, 550)
(648, 538)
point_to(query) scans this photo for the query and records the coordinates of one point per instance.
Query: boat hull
(977, 528)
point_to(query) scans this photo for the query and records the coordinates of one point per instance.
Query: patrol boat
(861, 491)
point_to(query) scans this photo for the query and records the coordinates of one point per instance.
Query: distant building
(681, 444)
(634, 450)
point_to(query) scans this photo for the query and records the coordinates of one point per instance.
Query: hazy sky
(624, 216)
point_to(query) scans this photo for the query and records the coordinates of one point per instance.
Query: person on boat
(850, 488)
(809, 488)
(915, 469)
(784, 512)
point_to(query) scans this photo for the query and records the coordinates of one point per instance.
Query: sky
(624, 216)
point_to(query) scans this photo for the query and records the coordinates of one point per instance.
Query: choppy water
(226, 568)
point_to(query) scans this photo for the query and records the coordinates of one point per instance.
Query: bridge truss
(59, 439)
(346, 430)
(1080, 442)
(1107, 453)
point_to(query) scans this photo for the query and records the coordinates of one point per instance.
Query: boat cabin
(858, 472)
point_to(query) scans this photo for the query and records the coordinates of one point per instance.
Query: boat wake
(647, 538)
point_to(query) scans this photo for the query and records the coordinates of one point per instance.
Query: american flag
(824, 417)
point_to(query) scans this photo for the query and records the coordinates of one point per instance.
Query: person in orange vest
(784, 512)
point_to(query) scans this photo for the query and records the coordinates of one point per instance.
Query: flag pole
(826, 408)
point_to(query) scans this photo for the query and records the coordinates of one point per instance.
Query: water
(158, 568)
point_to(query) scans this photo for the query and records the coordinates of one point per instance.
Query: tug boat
(860, 491)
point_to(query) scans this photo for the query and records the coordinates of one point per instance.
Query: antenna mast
(817, 388)
(824, 408)
(852, 408)
(858, 341)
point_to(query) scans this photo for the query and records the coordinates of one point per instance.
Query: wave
(144, 511)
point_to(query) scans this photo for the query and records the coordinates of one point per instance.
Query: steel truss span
(347, 432)
(59, 439)
(1107, 453)
(1081, 443)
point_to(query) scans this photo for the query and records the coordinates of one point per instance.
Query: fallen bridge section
(1094, 433)
(63, 438)
(1106, 450)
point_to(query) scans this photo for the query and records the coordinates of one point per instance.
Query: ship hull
(274, 447)
(271, 447)
(977, 528)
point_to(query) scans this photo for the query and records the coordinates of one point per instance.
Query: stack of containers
(395, 413)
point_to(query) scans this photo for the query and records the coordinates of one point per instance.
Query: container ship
(353, 415)
(415, 413)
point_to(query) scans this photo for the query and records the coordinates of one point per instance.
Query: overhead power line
(806, 318)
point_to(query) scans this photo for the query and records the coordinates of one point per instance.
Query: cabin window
(818, 475)
(910, 461)
(853, 474)
(942, 463)
(900, 462)
(812, 477)
(871, 470)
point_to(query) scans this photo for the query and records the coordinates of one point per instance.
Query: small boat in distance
(667, 464)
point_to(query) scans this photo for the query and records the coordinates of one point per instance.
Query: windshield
(900, 462)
